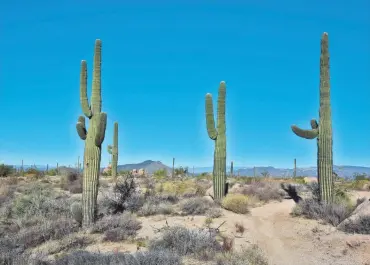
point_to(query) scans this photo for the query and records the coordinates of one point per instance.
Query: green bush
(6, 170)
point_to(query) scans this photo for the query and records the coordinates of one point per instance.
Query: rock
(236, 188)
(357, 240)
(361, 210)
(210, 192)
(208, 198)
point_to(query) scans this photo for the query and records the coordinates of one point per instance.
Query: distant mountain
(150, 166)
(342, 171)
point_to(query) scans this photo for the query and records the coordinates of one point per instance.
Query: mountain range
(151, 166)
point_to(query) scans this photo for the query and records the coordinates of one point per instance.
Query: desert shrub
(153, 208)
(6, 170)
(360, 184)
(332, 213)
(360, 226)
(183, 241)
(37, 203)
(362, 176)
(117, 227)
(299, 180)
(122, 197)
(160, 257)
(340, 194)
(188, 188)
(248, 256)
(214, 212)
(196, 206)
(71, 181)
(160, 174)
(52, 172)
(40, 233)
(264, 191)
(69, 242)
(237, 203)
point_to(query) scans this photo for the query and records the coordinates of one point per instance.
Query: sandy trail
(285, 240)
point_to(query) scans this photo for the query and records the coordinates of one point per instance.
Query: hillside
(150, 166)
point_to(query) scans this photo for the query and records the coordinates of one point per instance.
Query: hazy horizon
(158, 62)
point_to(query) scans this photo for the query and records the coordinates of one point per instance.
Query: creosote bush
(183, 241)
(331, 213)
(196, 206)
(237, 203)
(122, 197)
(117, 227)
(264, 191)
(71, 181)
(160, 257)
(248, 256)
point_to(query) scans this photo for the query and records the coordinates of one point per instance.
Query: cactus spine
(93, 137)
(113, 150)
(323, 130)
(218, 134)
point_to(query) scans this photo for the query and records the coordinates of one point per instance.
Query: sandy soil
(284, 239)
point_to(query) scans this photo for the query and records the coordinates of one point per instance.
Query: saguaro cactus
(93, 137)
(113, 150)
(218, 134)
(323, 130)
(295, 168)
(231, 169)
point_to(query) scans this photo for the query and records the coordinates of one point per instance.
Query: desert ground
(266, 224)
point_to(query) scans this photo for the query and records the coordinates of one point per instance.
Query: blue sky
(159, 61)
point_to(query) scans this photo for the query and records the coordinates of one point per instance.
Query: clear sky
(161, 58)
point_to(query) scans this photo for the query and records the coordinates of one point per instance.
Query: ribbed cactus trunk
(113, 150)
(231, 169)
(173, 167)
(325, 138)
(93, 137)
(218, 134)
(323, 130)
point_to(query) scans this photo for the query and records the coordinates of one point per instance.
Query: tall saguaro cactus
(323, 130)
(93, 136)
(218, 134)
(113, 150)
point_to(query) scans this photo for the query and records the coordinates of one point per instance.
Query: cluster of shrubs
(333, 213)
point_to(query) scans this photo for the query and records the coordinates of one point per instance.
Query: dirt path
(284, 239)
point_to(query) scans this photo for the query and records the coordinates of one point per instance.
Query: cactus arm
(210, 120)
(81, 127)
(100, 128)
(221, 125)
(314, 124)
(307, 134)
(96, 86)
(110, 149)
(83, 90)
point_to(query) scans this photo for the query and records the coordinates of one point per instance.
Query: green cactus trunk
(325, 138)
(295, 168)
(323, 130)
(231, 169)
(219, 136)
(93, 137)
(113, 150)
